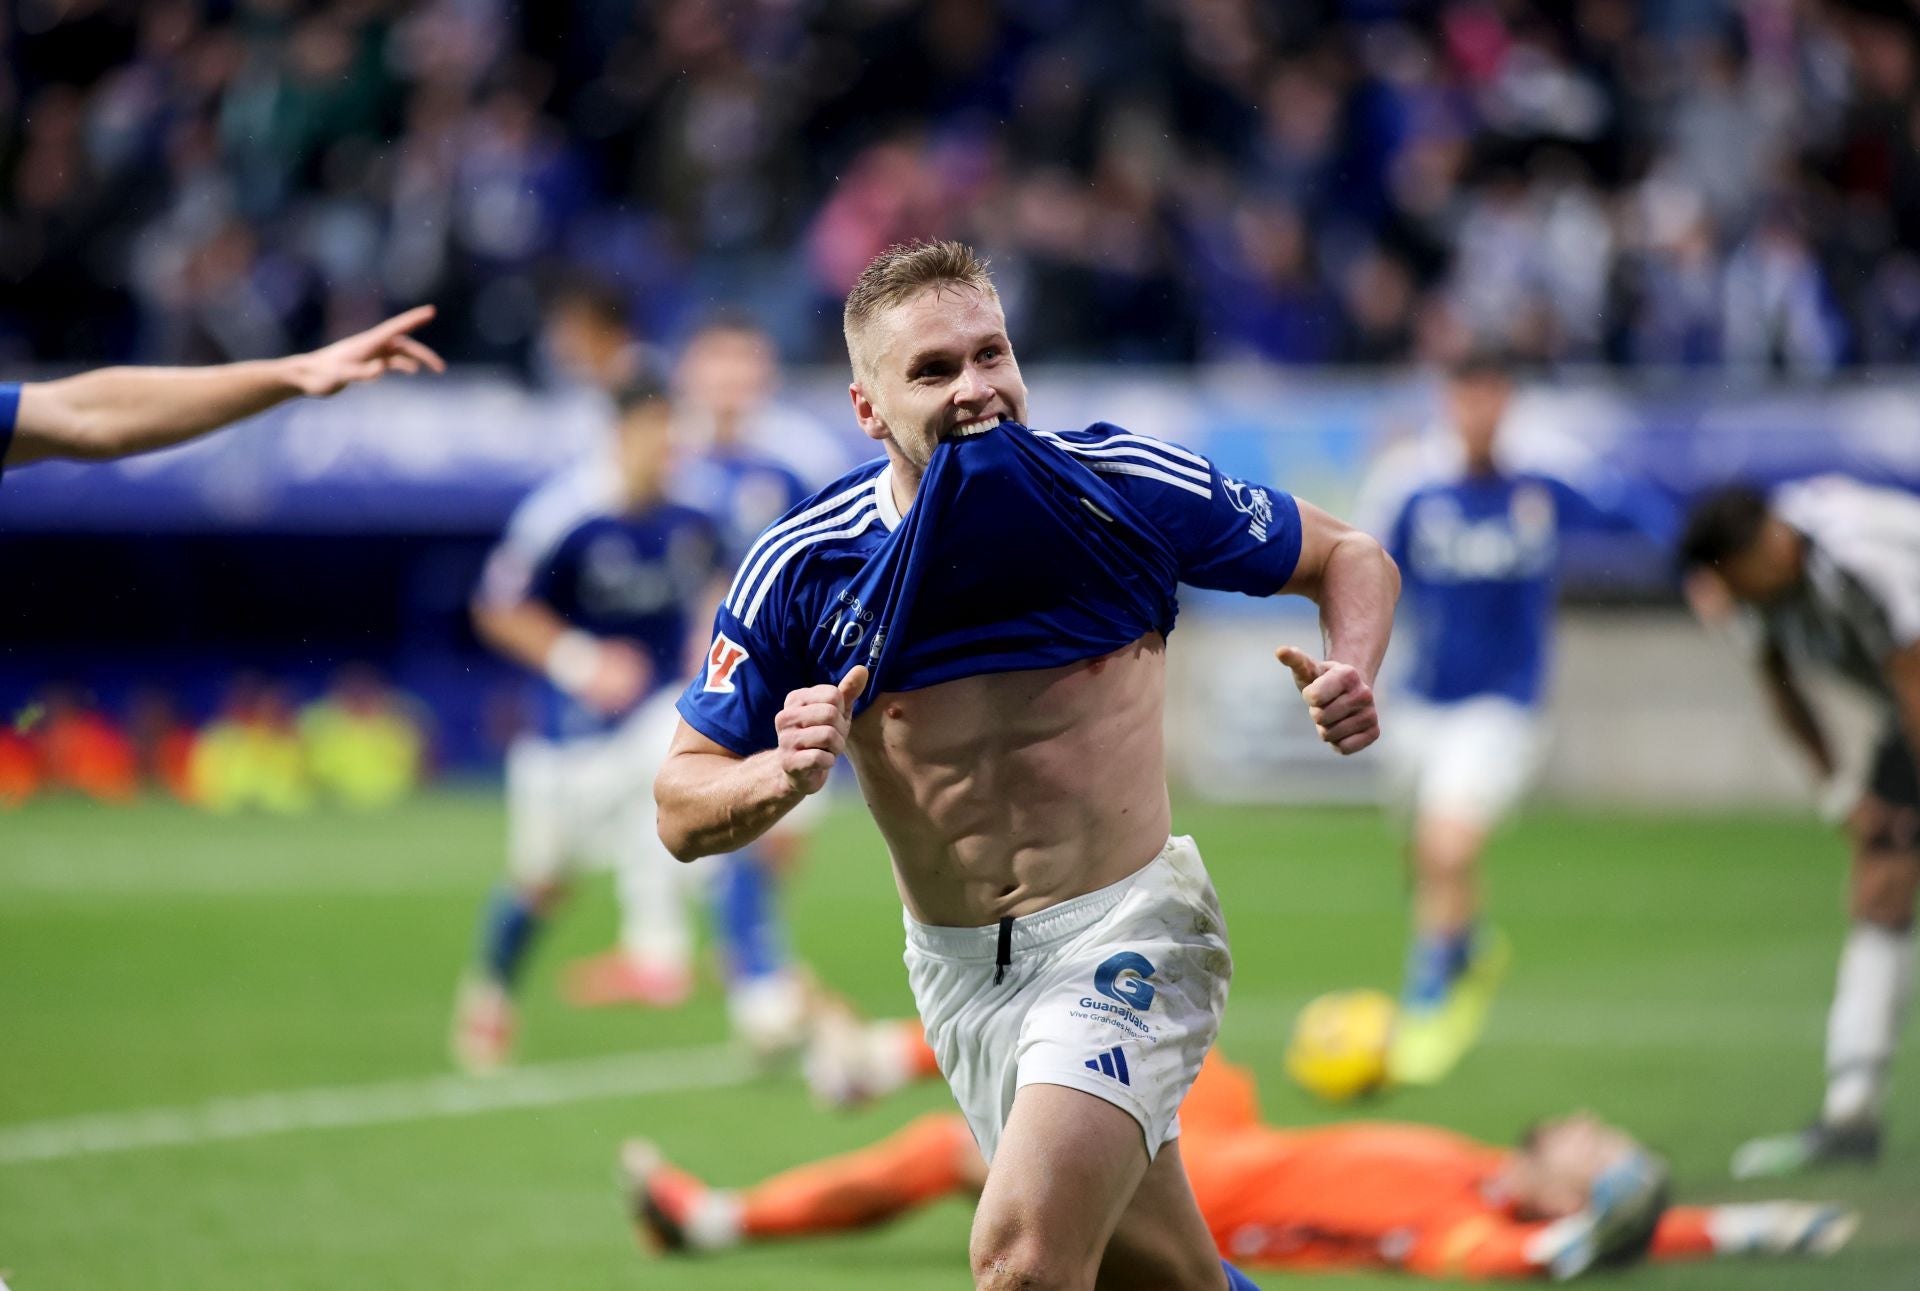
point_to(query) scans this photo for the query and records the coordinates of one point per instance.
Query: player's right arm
(512, 606)
(712, 799)
(118, 412)
(607, 676)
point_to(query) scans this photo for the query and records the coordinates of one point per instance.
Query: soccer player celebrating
(1830, 570)
(1575, 1194)
(1477, 536)
(593, 588)
(979, 622)
(118, 412)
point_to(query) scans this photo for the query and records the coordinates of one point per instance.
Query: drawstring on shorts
(1004, 955)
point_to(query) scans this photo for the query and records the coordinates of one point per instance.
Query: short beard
(912, 457)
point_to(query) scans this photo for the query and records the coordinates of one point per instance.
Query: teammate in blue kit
(593, 587)
(1476, 531)
(979, 621)
(118, 412)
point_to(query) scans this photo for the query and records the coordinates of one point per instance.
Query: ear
(868, 417)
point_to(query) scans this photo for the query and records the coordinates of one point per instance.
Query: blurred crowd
(1704, 183)
(361, 745)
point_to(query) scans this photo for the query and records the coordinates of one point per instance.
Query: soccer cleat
(616, 977)
(673, 1212)
(483, 1026)
(1429, 1043)
(1817, 1145)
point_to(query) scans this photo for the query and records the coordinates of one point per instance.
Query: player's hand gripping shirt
(1023, 549)
(637, 576)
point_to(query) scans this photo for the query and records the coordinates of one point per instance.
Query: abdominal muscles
(1007, 793)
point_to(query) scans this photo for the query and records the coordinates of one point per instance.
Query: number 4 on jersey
(723, 658)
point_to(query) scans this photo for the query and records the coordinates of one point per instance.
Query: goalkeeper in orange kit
(1575, 1194)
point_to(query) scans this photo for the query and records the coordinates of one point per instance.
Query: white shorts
(1117, 993)
(587, 801)
(1471, 761)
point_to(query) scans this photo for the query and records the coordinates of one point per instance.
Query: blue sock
(1236, 1280)
(506, 934)
(745, 920)
(1434, 963)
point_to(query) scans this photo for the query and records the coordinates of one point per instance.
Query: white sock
(655, 926)
(1869, 1002)
(714, 1224)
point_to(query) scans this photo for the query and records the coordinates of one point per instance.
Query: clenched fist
(813, 729)
(1338, 699)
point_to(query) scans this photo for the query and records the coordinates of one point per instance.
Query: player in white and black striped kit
(1830, 568)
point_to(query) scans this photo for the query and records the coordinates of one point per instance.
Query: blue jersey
(1022, 549)
(1479, 560)
(9, 413)
(638, 576)
(740, 491)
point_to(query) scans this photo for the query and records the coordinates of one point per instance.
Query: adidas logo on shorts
(1111, 1063)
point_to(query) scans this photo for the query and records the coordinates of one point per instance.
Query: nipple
(896, 712)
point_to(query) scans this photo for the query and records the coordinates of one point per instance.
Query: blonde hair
(899, 273)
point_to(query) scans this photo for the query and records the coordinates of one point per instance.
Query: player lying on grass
(979, 622)
(1828, 573)
(118, 412)
(1575, 1194)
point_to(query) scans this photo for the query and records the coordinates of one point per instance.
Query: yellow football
(1339, 1045)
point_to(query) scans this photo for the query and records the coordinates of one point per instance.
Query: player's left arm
(118, 412)
(1241, 536)
(1356, 584)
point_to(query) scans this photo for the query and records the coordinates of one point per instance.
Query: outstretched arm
(1355, 584)
(117, 412)
(712, 800)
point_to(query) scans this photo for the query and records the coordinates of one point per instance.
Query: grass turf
(1671, 973)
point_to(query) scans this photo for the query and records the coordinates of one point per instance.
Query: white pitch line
(386, 1103)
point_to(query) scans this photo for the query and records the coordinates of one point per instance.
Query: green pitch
(1670, 973)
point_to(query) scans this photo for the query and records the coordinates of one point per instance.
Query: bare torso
(1007, 793)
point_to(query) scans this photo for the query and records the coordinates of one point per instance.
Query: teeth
(979, 427)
